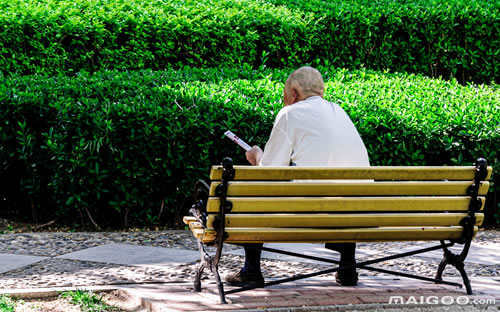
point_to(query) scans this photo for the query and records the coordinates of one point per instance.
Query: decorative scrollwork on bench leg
(197, 277)
(205, 262)
(208, 261)
(219, 225)
(442, 265)
(212, 263)
(465, 278)
(198, 211)
(468, 224)
(215, 270)
(457, 261)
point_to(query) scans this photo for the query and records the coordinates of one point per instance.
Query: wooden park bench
(250, 204)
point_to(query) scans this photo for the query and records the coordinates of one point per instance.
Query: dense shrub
(455, 38)
(51, 36)
(120, 145)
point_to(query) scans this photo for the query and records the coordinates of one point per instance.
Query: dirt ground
(55, 304)
(59, 304)
(10, 227)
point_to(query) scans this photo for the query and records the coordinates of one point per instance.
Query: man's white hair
(307, 79)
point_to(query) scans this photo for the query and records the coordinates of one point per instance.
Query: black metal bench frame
(456, 260)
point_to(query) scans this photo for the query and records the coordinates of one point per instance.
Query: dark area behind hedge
(454, 38)
(119, 146)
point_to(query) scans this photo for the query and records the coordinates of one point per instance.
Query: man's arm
(278, 148)
(254, 155)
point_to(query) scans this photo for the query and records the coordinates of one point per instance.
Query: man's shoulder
(284, 111)
(305, 107)
(318, 104)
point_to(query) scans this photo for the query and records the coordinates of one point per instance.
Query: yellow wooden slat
(319, 204)
(195, 225)
(188, 219)
(347, 188)
(263, 235)
(200, 235)
(322, 220)
(420, 173)
(197, 229)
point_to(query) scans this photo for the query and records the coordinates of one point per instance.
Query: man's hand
(254, 155)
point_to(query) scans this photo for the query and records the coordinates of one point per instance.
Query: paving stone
(10, 262)
(116, 258)
(135, 255)
(59, 243)
(313, 292)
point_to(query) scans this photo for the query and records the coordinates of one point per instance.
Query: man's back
(308, 131)
(314, 132)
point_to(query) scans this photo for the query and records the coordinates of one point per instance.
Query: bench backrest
(314, 204)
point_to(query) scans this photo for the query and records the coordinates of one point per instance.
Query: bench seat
(240, 235)
(338, 205)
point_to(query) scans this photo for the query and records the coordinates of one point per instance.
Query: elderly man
(308, 131)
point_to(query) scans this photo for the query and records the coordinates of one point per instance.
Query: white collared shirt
(314, 132)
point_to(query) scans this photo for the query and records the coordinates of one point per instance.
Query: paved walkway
(309, 295)
(154, 271)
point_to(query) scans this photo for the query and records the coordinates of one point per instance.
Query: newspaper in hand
(237, 140)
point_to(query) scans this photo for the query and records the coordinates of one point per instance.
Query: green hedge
(455, 38)
(452, 38)
(118, 145)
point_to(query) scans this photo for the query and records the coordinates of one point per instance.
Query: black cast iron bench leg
(467, 223)
(212, 263)
(458, 262)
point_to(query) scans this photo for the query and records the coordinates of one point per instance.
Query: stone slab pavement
(11, 261)
(155, 256)
(135, 255)
(319, 291)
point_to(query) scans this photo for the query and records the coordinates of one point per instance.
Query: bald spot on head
(306, 80)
